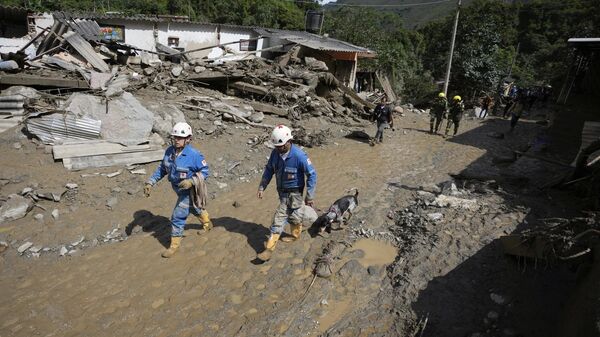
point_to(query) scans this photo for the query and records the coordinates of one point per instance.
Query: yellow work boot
(207, 225)
(296, 231)
(269, 247)
(175, 243)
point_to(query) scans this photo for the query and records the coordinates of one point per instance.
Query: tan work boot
(175, 243)
(207, 225)
(296, 231)
(269, 247)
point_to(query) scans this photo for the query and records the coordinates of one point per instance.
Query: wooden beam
(80, 163)
(83, 150)
(254, 89)
(31, 80)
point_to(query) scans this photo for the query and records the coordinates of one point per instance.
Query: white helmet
(280, 135)
(181, 129)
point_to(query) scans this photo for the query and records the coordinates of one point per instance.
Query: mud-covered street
(396, 270)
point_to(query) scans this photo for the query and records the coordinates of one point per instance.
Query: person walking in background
(457, 109)
(516, 111)
(439, 108)
(486, 103)
(384, 119)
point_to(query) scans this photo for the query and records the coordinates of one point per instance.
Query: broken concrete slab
(124, 117)
(21, 91)
(15, 208)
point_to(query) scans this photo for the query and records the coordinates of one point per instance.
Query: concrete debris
(122, 117)
(454, 202)
(71, 186)
(63, 251)
(435, 216)
(176, 71)
(15, 208)
(24, 247)
(39, 217)
(55, 214)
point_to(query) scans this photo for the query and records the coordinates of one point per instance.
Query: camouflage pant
(288, 211)
(436, 119)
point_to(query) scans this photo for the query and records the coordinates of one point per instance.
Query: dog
(337, 211)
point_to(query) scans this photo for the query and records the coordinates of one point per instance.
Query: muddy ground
(396, 271)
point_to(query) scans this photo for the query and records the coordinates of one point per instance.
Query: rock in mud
(176, 71)
(15, 208)
(351, 272)
(24, 247)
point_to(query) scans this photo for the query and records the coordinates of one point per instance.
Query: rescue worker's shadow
(158, 225)
(255, 234)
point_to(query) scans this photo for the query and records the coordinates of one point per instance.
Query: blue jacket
(290, 173)
(181, 167)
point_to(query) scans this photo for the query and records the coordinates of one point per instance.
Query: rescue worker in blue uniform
(180, 163)
(290, 165)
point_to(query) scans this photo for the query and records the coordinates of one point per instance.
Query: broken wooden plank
(268, 108)
(213, 76)
(387, 87)
(251, 88)
(86, 51)
(31, 80)
(80, 163)
(85, 150)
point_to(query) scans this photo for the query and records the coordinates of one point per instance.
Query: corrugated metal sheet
(589, 134)
(313, 41)
(58, 126)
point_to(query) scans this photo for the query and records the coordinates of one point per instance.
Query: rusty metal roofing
(314, 41)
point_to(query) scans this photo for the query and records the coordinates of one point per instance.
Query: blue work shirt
(180, 167)
(289, 173)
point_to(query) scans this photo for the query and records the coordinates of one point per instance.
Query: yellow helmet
(441, 95)
(457, 98)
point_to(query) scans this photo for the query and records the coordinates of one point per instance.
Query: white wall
(42, 21)
(137, 33)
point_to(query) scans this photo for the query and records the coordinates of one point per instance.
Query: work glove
(309, 202)
(147, 189)
(186, 184)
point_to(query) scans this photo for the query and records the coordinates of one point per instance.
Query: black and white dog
(337, 211)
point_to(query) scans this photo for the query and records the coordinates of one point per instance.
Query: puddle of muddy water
(336, 310)
(376, 252)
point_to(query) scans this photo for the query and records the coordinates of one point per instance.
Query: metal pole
(451, 49)
(512, 63)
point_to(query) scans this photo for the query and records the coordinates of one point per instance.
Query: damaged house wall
(137, 33)
(144, 33)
